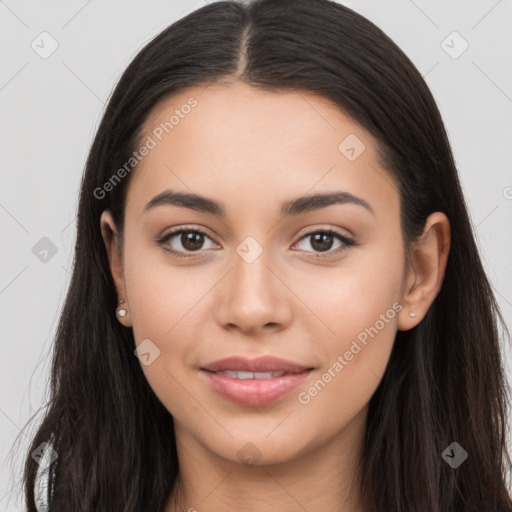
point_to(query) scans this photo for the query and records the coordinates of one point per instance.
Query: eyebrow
(289, 208)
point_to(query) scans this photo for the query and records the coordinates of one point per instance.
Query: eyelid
(185, 227)
(315, 228)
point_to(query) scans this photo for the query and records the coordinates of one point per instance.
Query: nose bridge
(255, 296)
(252, 278)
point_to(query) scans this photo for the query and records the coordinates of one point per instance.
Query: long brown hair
(444, 382)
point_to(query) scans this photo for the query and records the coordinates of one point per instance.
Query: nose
(253, 296)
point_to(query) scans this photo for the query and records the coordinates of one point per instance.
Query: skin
(252, 150)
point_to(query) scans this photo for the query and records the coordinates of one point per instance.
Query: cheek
(160, 294)
(354, 296)
(167, 310)
(164, 313)
(163, 309)
(360, 308)
(354, 361)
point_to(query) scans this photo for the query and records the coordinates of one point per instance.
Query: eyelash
(346, 241)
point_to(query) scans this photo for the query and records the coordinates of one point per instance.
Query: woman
(277, 302)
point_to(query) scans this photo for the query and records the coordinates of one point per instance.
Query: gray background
(52, 106)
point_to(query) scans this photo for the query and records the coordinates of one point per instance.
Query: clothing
(42, 498)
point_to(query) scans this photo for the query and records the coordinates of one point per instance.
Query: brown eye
(191, 240)
(322, 241)
(182, 241)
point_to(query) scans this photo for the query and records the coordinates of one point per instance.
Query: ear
(425, 274)
(113, 247)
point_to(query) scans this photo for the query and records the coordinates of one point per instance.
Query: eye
(322, 242)
(190, 240)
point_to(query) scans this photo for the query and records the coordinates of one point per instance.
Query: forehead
(234, 141)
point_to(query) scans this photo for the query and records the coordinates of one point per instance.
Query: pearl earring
(412, 314)
(121, 312)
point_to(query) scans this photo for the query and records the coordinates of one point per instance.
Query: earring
(412, 314)
(120, 312)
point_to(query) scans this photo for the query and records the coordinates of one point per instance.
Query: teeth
(250, 375)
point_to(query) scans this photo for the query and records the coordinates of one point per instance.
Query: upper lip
(260, 364)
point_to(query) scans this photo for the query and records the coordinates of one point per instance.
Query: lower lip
(255, 391)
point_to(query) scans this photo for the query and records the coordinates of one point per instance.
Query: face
(320, 286)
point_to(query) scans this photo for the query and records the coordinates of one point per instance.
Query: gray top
(42, 480)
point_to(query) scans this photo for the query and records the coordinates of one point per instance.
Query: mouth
(253, 375)
(254, 382)
(254, 388)
(264, 367)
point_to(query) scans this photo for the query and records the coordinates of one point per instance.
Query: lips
(262, 364)
(254, 382)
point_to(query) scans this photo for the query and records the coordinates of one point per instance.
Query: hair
(444, 382)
